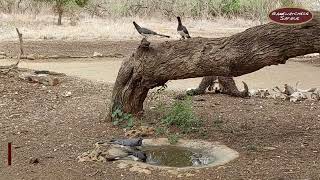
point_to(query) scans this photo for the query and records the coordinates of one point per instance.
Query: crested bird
(147, 32)
(182, 30)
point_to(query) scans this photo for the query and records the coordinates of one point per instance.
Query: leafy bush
(122, 119)
(230, 7)
(182, 116)
(173, 138)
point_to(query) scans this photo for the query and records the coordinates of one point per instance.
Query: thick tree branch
(240, 54)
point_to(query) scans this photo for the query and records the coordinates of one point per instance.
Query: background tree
(60, 6)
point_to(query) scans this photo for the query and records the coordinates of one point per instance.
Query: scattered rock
(189, 175)
(67, 94)
(122, 165)
(96, 54)
(297, 96)
(174, 172)
(269, 148)
(115, 151)
(289, 93)
(94, 155)
(140, 170)
(31, 57)
(141, 131)
(103, 152)
(40, 78)
(262, 93)
(2, 53)
(312, 55)
(34, 160)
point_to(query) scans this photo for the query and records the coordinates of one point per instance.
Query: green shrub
(122, 119)
(230, 7)
(173, 138)
(182, 116)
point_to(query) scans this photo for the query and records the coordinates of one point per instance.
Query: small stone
(141, 131)
(67, 94)
(312, 55)
(174, 172)
(140, 170)
(189, 175)
(31, 57)
(122, 165)
(34, 160)
(96, 54)
(269, 148)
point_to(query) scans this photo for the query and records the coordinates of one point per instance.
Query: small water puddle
(175, 156)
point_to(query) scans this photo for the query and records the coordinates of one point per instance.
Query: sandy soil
(275, 139)
(44, 124)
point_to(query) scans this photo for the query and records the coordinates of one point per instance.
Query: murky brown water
(172, 156)
(106, 70)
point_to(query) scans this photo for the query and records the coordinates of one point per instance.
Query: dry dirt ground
(276, 139)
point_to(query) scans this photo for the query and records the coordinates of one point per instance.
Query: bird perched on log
(135, 155)
(147, 32)
(182, 30)
(127, 142)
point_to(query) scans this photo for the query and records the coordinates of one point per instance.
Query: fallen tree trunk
(240, 54)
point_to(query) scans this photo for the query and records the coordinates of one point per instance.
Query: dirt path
(106, 69)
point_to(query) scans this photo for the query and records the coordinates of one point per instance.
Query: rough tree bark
(59, 9)
(240, 54)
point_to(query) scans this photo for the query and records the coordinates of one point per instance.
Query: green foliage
(81, 3)
(230, 7)
(218, 122)
(122, 119)
(182, 116)
(252, 147)
(288, 3)
(173, 138)
(204, 133)
(254, 9)
(160, 130)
